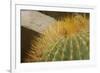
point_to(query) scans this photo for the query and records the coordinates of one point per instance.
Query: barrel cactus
(65, 40)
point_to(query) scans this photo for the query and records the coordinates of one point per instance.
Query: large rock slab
(35, 20)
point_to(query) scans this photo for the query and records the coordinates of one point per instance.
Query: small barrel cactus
(67, 39)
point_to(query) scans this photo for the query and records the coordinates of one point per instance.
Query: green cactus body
(68, 48)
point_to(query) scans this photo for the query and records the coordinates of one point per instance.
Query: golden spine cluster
(67, 39)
